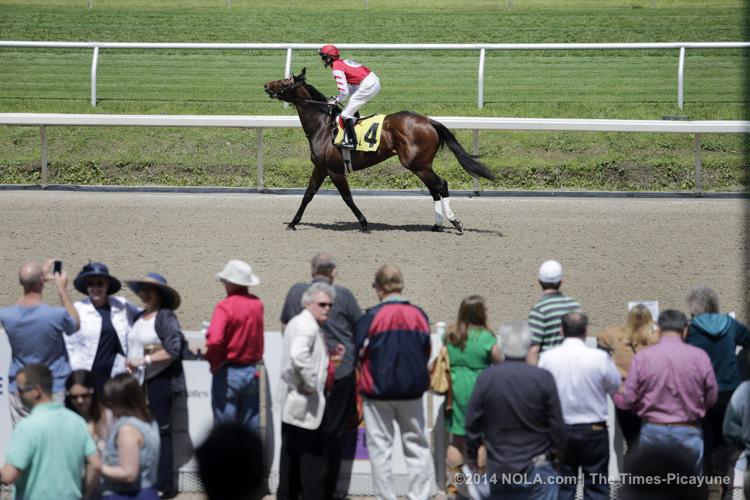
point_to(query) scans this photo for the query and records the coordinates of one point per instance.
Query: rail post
(94, 62)
(480, 90)
(681, 78)
(45, 169)
(259, 157)
(698, 165)
(475, 186)
(288, 69)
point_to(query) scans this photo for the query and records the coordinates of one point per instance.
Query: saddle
(368, 131)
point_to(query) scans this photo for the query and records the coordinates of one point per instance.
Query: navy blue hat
(170, 299)
(96, 269)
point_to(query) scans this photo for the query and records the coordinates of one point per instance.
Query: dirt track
(613, 250)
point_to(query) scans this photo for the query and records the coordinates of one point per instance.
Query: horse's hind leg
(316, 180)
(446, 202)
(439, 190)
(339, 180)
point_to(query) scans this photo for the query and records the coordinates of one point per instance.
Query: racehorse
(415, 138)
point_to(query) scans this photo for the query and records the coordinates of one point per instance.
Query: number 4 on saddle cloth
(368, 131)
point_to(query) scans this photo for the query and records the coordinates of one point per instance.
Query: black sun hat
(96, 269)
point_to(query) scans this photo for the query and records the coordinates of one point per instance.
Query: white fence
(481, 47)
(43, 120)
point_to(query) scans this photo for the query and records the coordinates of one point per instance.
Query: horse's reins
(296, 85)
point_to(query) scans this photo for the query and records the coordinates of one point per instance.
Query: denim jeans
(541, 484)
(587, 450)
(235, 396)
(147, 494)
(688, 440)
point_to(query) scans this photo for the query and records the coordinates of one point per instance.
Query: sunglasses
(325, 304)
(96, 283)
(22, 390)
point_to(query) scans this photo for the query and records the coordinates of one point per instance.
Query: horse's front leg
(316, 180)
(339, 180)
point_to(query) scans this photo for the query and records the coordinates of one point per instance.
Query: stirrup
(350, 136)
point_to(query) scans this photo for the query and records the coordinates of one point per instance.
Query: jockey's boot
(350, 137)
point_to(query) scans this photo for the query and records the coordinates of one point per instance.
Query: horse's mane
(315, 94)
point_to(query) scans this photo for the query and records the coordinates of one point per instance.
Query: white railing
(43, 120)
(481, 47)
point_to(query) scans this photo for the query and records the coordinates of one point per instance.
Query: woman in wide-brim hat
(100, 344)
(169, 298)
(156, 346)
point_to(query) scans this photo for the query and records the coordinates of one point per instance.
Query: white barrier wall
(194, 420)
(5, 427)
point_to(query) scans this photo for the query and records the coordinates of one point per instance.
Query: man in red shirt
(234, 345)
(354, 81)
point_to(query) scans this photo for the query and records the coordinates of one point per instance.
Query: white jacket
(82, 345)
(304, 369)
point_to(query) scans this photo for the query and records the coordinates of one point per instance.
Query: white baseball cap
(550, 272)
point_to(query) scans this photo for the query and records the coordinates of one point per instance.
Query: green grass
(553, 84)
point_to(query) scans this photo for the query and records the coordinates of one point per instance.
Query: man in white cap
(545, 315)
(234, 346)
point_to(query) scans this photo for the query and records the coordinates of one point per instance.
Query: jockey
(354, 81)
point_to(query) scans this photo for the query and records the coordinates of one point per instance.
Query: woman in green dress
(472, 347)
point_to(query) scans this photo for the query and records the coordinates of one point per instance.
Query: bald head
(31, 277)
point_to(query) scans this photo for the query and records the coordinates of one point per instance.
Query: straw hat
(170, 299)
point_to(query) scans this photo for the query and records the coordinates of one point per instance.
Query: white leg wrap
(447, 206)
(438, 213)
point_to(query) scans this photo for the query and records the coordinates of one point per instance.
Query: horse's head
(289, 89)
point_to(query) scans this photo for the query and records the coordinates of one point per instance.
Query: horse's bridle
(290, 88)
(285, 90)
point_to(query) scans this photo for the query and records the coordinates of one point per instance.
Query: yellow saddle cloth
(368, 132)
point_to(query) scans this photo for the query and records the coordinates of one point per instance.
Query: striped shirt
(544, 319)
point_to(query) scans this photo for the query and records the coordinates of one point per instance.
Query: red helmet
(329, 51)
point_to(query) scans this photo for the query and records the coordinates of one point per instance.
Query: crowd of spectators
(528, 413)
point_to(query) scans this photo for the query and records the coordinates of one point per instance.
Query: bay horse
(415, 138)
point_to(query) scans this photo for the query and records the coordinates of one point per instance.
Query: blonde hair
(638, 326)
(471, 312)
(389, 279)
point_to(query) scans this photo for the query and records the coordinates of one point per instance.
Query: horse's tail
(467, 161)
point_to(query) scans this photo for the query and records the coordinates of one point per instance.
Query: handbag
(440, 377)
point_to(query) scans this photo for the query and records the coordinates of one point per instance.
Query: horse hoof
(291, 227)
(458, 225)
(437, 229)
(364, 230)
